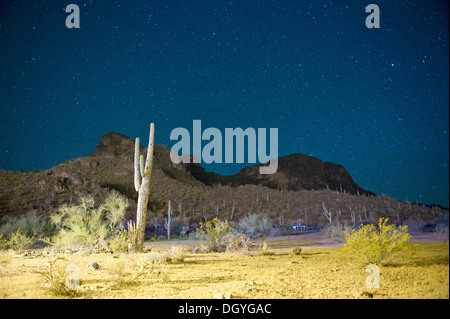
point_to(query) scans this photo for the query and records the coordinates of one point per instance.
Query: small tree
(380, 245)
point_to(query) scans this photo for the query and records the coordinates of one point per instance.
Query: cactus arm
(141, 165)
(149, 160)
(137, 182)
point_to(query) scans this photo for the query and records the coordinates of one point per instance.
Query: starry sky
(373, 100)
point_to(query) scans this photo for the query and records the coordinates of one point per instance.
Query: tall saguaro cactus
(142, 185)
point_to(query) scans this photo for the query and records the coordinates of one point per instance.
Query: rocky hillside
(301, 188)
(295, 172)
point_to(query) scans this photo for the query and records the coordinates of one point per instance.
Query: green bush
(84, 224)
(119, 243)
(217, 235)
(380, 245)
(19, 241)
(115, 206)
(213, 234)
(32, 225)
(80, 224)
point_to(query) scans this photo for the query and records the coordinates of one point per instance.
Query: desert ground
(320, 271)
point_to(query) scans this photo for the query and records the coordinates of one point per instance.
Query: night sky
(373, 100)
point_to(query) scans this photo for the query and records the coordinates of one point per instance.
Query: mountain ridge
(301, 186)
(295, 171)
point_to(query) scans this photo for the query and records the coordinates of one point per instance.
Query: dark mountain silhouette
(295, 172)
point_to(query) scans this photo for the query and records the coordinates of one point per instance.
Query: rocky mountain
(295, 172)
(302, 185)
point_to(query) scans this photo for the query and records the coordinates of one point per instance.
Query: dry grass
(316, 273)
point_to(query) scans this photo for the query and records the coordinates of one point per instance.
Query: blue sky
(373, 100)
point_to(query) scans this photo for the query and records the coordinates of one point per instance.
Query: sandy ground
(319, 272)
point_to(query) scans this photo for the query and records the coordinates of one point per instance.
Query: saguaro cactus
(168, 222)
(142, 185)
(326, 212)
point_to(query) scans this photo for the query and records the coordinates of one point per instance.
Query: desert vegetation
(379, 244)
(82, 251)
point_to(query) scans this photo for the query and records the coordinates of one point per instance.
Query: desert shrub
(84, 224)
(56, 280)
(32, 225)
(81, 224)
(255, 225)
(132, 233)
(264, 249)
(380, 245)
(336, 231)
(127, 274)
(440, 225)
(159, 257)
(441, 230)
(120, 276)
(119, 243)
(175, 255)
(142, 267)
(115, 206)
(416, 225)
(19, 241)
(3, 242)
(213, 234)
(5, 257)
(235, 241)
